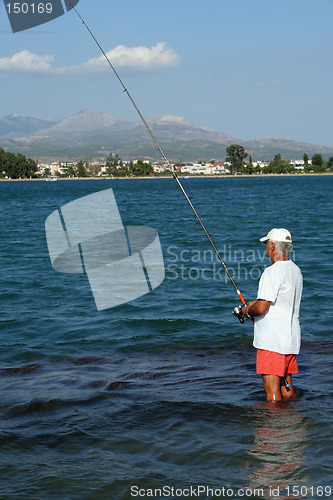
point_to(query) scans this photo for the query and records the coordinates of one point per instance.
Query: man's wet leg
(272, 386)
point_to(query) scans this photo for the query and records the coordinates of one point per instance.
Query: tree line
(236, 155)
(114, 168)
(16, 166)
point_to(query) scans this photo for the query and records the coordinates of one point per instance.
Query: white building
(161, 168)
(299, 164)
(261, 164)
(206, 169)
(217, 169)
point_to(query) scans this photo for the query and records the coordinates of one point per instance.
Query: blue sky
(249, 68)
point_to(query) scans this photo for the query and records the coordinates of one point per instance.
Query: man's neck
(275, 257)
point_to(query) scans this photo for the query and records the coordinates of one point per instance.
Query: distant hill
(85, 125)
(270, 146)
(93, 134)
(15, 124)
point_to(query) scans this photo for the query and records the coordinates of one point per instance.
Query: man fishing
(276, 330)
(277, 333)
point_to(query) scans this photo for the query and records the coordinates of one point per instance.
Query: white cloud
(135, 58)
(26, 62)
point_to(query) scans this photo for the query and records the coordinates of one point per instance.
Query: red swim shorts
(273, 363)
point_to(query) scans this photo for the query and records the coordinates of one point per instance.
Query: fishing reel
(238, 313)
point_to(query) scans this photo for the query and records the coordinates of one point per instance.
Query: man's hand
(255, 308)
(245, 309)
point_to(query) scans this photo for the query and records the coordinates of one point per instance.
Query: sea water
(159, 397)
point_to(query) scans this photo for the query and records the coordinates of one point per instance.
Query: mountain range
(94, 134)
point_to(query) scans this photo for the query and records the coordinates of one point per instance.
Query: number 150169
(29, 8)
(309, 491)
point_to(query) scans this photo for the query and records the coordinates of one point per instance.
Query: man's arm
(256, 308)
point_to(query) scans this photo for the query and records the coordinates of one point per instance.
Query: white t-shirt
(278, 329)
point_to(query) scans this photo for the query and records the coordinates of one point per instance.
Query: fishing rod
(237, 310)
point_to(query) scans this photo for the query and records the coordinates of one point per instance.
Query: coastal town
(100, 168)
(237, 162)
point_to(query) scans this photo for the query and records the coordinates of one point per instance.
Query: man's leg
(272, 386)
(287, 392)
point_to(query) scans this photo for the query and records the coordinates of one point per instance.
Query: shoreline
(227, 176)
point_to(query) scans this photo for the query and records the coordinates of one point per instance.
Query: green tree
(318, 164)
(249, 168)
(141, 169)
(17, 166)
(70, 172)
(306, 160)
(112, 162)
(317, 159)
(257, 169)
(123, 171)
(329, 164)
(280, 166)
(235, 156)
(81, 169)
(47, 172)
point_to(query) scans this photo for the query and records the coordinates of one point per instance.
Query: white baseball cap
(276, 234)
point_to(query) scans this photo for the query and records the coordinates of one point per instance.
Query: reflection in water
(279, 442)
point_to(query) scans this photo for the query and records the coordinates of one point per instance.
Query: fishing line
(161, 152)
